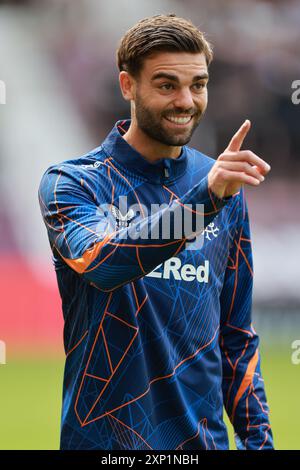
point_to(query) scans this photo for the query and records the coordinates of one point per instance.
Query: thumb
(238, 138)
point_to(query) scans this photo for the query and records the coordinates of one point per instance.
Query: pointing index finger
(238, 138)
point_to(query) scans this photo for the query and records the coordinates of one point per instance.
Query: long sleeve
(243, 386)
(75, 221)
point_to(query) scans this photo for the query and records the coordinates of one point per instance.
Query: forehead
(183, 64)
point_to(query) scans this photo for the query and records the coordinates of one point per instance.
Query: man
(158, 333)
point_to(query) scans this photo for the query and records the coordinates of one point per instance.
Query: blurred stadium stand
(57, 59)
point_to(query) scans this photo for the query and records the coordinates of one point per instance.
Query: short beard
(150, 124)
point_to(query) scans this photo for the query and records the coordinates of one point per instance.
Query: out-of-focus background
(58, 72)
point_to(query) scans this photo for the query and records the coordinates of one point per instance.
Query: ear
(127, 85)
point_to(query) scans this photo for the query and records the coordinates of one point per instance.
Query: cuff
(201, 194)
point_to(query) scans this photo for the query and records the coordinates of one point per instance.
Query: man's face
(171, 96)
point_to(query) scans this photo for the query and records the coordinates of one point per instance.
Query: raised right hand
(235, 167)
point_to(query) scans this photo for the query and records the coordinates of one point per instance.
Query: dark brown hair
(167, 33)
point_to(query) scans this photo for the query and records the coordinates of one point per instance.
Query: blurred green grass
(31, 392)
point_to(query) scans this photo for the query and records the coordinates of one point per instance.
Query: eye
(167, 86)
(199, 86)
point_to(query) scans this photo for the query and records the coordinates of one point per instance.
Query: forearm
(243, 388)
(243, 391)
(123, 256)
(77, 228)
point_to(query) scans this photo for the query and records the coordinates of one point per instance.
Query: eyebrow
(174, 78)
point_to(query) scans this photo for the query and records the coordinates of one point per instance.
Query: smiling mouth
(179, 121)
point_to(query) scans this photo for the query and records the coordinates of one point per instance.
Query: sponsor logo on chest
(174, 269)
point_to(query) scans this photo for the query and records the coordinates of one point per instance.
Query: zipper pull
(166, 168)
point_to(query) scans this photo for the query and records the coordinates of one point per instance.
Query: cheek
(159, 106)
(205, 98)
(151, 101)
(202, 101)
(159, 101)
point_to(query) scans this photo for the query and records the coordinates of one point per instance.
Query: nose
(184, 99)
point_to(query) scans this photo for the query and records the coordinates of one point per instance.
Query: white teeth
(180, 120)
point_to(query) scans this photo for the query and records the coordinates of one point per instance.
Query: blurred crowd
(256, 45)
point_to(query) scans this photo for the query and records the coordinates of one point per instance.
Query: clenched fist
(235, 167)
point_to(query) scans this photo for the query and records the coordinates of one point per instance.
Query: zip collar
(162, 171)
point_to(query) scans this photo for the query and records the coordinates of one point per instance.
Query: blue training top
(158, 333)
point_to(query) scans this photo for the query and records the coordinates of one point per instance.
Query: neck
(150, 149)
